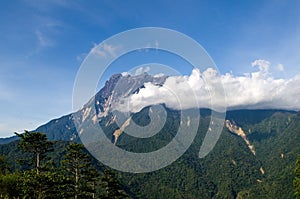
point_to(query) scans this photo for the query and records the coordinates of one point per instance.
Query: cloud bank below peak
(208, 89)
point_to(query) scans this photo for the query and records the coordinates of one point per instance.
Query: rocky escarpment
(233, 128)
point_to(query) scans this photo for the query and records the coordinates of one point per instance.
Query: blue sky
(44, 43)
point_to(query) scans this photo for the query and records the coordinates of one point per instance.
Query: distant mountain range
(254, 157)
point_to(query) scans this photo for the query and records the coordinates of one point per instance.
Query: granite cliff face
(119, 86)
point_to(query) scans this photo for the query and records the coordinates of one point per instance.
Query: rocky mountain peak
(109, 86)
(119, 86)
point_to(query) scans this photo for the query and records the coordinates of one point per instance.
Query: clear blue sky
(42, 44)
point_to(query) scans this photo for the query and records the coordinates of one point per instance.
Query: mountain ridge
(121, 86)
(70, 132)
(230, 170)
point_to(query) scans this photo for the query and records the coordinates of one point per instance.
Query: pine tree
(35, 184)
(79, 171)
(112, 187)
(37, 144)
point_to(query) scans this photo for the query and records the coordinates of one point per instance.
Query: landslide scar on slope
(239, 132)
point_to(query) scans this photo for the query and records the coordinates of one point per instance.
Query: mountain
(117, 86)
(253, 158)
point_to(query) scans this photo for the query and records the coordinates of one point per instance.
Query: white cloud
(105, 50)
(263, 65)
(159, 75)
(124, 74)
(253, 90)
(280, 67)
(142, 70)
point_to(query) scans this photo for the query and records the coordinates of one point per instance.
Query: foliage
(297, 178)
(56, 180)
(9, 185)
(3, 166)
(35, 143)
(112, 187)
(229, 171)
(81, 175)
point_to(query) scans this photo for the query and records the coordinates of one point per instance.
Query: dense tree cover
(73, 177)
(3, 165)
(37, 144)
(297, 178)
(81, 175)
(229, 171)
(111, 186)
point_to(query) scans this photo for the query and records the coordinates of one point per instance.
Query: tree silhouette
(37, 144)
(35, 184)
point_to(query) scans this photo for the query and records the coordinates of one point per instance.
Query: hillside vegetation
(231, 170)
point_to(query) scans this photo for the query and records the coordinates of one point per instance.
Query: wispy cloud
(81, 57)
(105, 50)
(46, 31)
(142, 70)
(43, 40)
